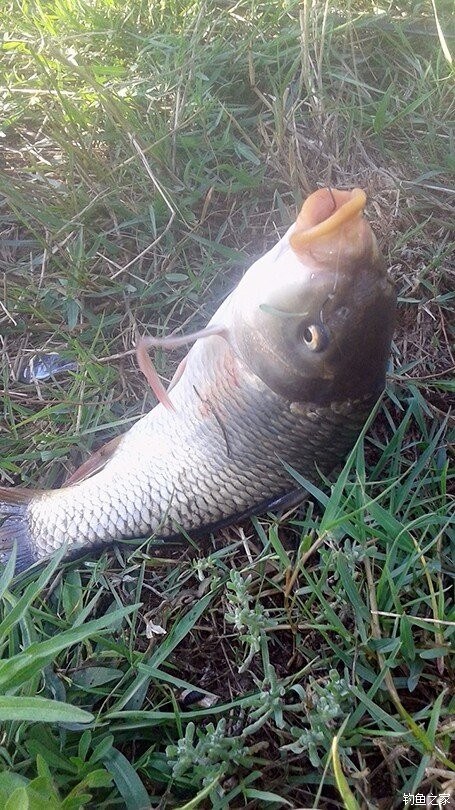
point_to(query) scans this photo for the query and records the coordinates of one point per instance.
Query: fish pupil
(314, 337)
(308, 335)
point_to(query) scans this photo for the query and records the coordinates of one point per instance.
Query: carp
(284, 375)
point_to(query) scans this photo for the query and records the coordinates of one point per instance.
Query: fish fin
(95, 462)
(150, 374)
(14, 526)
(170, 342)
(179, 371)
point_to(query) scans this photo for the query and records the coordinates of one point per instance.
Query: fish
(282, 378)
(43, 366)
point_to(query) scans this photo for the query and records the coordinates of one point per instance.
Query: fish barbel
(287, 370)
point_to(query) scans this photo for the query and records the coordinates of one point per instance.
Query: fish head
(314, 317)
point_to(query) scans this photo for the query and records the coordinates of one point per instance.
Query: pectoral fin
(170, 342)
(94, 463)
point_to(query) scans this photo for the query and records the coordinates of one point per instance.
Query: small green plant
(249, 620)
(206, 753)
(41, 793)
(326, 703)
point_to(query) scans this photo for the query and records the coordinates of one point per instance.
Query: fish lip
(313, 221)
(331, 231)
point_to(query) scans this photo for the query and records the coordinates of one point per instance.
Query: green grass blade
(41, 710)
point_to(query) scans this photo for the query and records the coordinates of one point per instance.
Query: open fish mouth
(287, 370)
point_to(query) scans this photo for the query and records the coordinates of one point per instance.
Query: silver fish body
(248, 400)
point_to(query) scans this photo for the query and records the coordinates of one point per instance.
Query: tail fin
(14, 526)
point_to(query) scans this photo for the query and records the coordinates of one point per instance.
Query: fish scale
(231, 471)
(286, 373)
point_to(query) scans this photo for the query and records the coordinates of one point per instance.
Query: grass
(149, 153)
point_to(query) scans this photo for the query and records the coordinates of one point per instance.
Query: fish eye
(315, 337)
